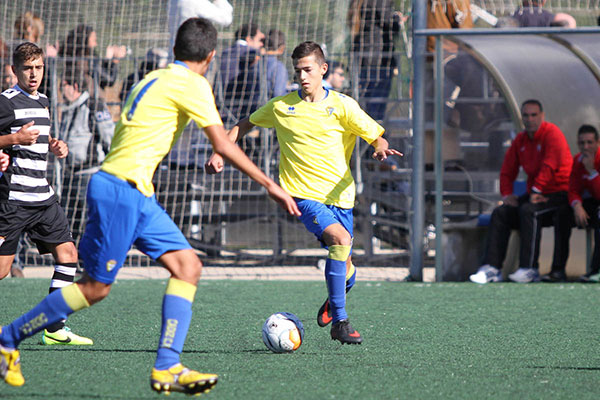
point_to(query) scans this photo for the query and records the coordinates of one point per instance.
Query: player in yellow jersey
(123, 210)
(316, 130)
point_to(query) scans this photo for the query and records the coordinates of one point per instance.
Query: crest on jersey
(110, 265)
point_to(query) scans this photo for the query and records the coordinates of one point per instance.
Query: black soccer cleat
(345, 333)
(324, 315)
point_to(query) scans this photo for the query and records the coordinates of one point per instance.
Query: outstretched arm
(382, 150)
(224, 146)
(215, 164)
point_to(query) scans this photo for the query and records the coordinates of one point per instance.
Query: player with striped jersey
(123, 210)
(28, 203)
(317, 129)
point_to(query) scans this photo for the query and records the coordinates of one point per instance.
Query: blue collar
(326, 93)
(177, 62)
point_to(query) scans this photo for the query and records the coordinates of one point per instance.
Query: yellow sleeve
(359, 122)
(264, 116)
(199, 104)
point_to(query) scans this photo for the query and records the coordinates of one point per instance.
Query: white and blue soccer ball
(283, 332)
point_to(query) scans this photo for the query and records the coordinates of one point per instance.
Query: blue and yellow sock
(176, 318)
(350, 277)
(55, 307)
(335, 276)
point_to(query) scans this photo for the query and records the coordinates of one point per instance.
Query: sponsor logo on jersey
(291, 110)
(330, 110)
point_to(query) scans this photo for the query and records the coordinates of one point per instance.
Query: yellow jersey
(316, 141)
(158, 109)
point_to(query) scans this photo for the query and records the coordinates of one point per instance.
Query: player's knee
(94, 291)
(527, 210)
(185, 266)
(337, 237)
(194, 270)
(66, 253)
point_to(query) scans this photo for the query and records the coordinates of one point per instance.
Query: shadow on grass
(69, 395)
(567, 368)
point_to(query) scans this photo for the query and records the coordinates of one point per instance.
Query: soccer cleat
(64, 336)
(345, 333)
(525, 275)
(554, 276)
(10, 366)
(486, 274)
(324, 315)
(181, 379)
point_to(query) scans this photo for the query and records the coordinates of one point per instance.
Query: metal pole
(418, 198)
(439, 166)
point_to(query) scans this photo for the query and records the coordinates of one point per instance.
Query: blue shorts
(120, 216)
(316, 217)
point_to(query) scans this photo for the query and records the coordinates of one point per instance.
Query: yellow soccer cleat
(10, 366)
(64, 336)
(181, 379)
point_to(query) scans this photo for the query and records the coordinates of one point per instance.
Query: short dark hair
(275, 39)
(332, 66)
(26, 51)
(249, 29)
(533, 101)
(195, 39)
(588, 129)
(306, 49)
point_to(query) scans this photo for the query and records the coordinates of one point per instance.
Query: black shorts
(46, 225)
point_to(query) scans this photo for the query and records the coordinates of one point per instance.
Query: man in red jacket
(543, 154)
(584, 192)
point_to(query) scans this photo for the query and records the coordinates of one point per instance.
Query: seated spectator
(541, 150)
(277, 74)
(532, 14)
(248, 39)
(584, 192)
(81, 53)
(155, 58)
(334, 77)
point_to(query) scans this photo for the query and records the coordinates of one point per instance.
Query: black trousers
(529, 219)
(592, 207)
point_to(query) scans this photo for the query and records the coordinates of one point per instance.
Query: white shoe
(525, 275)
(486, 274)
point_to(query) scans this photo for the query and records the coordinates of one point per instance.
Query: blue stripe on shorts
(317, 216)
(120, 216)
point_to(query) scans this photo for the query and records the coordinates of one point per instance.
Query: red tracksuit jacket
(582, 180)
(546, 159)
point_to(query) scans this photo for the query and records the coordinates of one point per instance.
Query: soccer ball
(283, 332)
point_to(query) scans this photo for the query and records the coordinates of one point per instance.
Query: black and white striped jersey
(24, 182)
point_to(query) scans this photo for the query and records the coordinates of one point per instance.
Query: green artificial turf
(422, 341)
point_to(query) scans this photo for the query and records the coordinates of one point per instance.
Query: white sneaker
(486, 274)
(525, 275)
